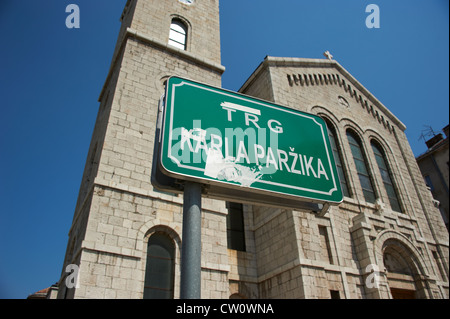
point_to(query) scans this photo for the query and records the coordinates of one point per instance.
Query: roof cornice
(324, 63)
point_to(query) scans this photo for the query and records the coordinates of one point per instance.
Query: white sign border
(237, 96)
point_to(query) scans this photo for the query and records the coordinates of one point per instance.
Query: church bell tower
(125, 237)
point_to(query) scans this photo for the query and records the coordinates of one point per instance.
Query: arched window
(338, 159)
(386, 176)
(178, 34)
(361, 167)
(159, 274)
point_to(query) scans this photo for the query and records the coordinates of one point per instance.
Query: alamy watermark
(373, 279)
(73, 19)
(373, 19)
(72, 279)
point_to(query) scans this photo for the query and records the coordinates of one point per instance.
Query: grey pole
(191, 244)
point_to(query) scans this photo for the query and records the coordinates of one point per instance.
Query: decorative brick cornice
(326, 76)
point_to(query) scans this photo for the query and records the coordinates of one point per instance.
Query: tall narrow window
(178, 34)
(439, 264)
(235, 227)
(361, 167)
(429, 182)
(159, 274)
(338, 159)
(387, 177)
(334, 294)
(325, 244)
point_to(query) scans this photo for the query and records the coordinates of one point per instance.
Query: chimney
(433, 141)
(445, 129)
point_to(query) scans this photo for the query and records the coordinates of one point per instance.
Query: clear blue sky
(51, 77)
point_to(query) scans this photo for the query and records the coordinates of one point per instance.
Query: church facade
(385, 240)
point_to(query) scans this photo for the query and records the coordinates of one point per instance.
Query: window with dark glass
(387, 177)
(361, 167)
(338, 159)
(235, 227)
(429, 182)
(159, 274)
(334, 294)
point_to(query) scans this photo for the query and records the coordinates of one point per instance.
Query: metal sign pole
(191, 244)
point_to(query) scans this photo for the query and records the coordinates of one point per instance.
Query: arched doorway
(399, 274)
(405, 268)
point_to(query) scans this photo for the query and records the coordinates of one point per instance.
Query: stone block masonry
(288, 253)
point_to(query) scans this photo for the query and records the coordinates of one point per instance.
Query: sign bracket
(325, 209)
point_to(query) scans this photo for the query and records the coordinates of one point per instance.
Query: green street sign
(232, 141)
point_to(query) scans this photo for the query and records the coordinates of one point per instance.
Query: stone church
(385, 240)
